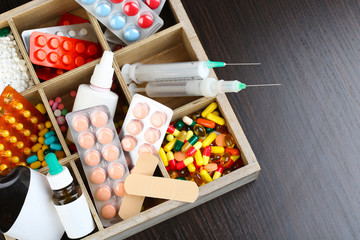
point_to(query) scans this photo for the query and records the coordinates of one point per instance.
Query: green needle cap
(211, 64)
(53, 164)
(241, 86)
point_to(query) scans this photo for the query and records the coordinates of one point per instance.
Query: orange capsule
(232, 151)
(205, 122)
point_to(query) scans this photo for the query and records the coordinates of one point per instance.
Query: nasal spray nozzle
(103, 72)
(208, 87)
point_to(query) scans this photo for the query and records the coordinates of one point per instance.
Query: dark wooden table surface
(305, 134)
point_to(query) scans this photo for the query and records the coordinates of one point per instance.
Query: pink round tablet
(99, 119)
(103, 193)
(92, 157)
(152, 135)
(158, 119)
(146, 149)
(110, 153)
(108, 211)
(86, 140)
(119, 189)
(104, 135)
(140, 110)
(128, 143)
(134, 127)
(116, 171)
(80, 123)
(98, 175)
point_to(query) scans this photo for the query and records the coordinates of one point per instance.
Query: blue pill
(50, 140)
(117, 22)
(103, 9)
(49, 134)
(55, 146)
(131, 34)
(32, 159)
(88, 2)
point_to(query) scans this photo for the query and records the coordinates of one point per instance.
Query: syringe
(179, 71)
(207, 87)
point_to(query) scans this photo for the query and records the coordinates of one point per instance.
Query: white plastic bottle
(98, 92)
(69, 201)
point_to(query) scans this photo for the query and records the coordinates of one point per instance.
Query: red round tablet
(131, 8)
(145, 20)
(152, 3)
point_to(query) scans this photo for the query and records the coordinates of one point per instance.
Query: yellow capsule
(26, 113)
(209, 139)
(43, 132)
(15, 159)
(188, 160)
(44, 147)
(2, 147)
(216, 113)
(217, 149)
(216, 175)
(3, 167)
(169, 157)
(199, 158)
(27, 151)
(48, 124)
(209, 109)
(41, 140)
(205, 175)
(36, 147)
(163, 157)
(191, 167)
(35, 165)
(41, 108)
(170, 137)
(215, 119)
(60, 154)
(40, 155)
(22, 164)
(189, 134)
(170, 145)
(43, 164)
(234, 158)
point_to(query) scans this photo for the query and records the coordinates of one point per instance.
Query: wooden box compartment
(175, 42)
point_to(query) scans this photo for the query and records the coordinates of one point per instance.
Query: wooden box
(175, 42)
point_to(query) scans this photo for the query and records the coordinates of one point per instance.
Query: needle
(264, 85)
(242, 64)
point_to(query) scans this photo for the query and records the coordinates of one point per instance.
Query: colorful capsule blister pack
(144, 128)
(130, 20)
(82, 31)
(19, 125)
(61, 52)
(102, 159)
(155, 5)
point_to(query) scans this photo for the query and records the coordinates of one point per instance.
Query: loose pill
(50, 140)
(191, 167)
(56, 146)
(60, 120)
(31, 159)
(41, 108)
(59, 154)
(205, 175)
(216, 119)
(36, 147)
(232, 151)
(220, 140)
(48, 124)
(205, 122)
(163, 157)
(43, 132)
(209, 139)
(35, 165)
(210, 108)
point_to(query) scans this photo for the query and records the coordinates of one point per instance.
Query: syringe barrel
(207, 87)
(169, 72)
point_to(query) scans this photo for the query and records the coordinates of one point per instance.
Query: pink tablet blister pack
(144, 128)
(102, 159)
(129, 20)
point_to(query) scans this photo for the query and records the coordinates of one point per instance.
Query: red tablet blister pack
(20, 122)
(69, 19)
(46, 73)
(61, 52)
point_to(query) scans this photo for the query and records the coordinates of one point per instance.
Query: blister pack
(130, 20)
(155, 5)
(83, 31)
(69, 19)
(144, 128)
(102, 159)
(61, 52)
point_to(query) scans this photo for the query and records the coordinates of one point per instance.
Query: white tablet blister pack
(129, 20)
(144, 128)
(83, 31)
(102, 159)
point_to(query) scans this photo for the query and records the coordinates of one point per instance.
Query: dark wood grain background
(305, 134)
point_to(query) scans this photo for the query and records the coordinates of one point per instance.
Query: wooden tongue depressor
(131, 204)
(159, 187)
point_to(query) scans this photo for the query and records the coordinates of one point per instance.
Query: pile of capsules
(200, 148)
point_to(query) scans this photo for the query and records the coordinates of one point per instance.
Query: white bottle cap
(103, 73)
(58, 176)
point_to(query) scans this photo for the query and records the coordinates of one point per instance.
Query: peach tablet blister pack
(102, 159)
(144, 128)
